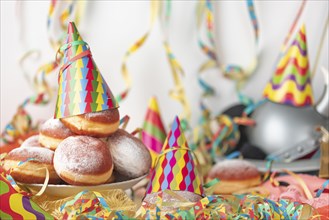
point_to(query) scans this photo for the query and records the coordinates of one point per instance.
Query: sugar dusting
(40, 154)
(82, 155)
(56, 128)
(234, 169)
(130, 156)
(32, 141)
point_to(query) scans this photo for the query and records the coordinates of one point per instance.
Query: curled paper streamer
(226, 207)
(178, 92)
(111, 204)
(241, 74)
(205, 10)
(154, 7)
(21, 123)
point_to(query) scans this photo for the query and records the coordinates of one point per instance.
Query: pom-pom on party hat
(153, 134)
(291, 83)
(175, 168)
(82, 88)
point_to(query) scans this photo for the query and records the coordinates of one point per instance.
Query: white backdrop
(110, 27)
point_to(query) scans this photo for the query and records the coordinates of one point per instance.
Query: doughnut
(150, 199)
(31, 171)
(32, 141)
(53, 132)
(83, 160)
(131, 157)
(96, 124)
(234, 175)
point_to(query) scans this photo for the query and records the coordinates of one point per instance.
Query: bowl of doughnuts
(83, 152)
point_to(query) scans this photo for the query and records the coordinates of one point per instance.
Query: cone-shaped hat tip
(71, 28)
(153, 104)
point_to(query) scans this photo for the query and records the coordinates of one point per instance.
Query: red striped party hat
(153, 134)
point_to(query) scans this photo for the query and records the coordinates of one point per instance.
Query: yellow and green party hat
(291, 83)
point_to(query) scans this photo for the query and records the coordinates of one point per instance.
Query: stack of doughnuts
(82, 150)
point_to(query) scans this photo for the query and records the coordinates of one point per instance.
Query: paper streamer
(227, 207)
(236, 73)
(154, 7)
(205, 11)
(178, 92)
(21, 122)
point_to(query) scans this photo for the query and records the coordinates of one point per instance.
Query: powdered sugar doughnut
(53, 132)
(83, 160)
(130, 156)
(234, 175)
(31, 171)
(96, 124)
(151, 199)
(32, 141)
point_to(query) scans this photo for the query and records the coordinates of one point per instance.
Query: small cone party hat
(291, 83)
(82, 88)
(175, 168)
(154, 134)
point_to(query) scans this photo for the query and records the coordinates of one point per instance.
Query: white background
(111, 27)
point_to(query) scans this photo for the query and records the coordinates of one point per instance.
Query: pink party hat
(153, 134)
(291, 83)
(175, 168)
(82, 88)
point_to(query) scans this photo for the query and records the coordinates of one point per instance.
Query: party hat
(82, 88)
(175, 168)
(15, 205)
(154, 134)
(291, 83)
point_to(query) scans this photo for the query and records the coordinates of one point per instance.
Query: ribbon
(225, 207)
(178, 92)
(205, 11)
(157, 10)
(321, 190)
(236, 73)
(21, 122)
(154, 7)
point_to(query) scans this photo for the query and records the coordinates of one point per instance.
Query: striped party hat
(291, 83)
(153, 134)
(15, 205)
(82, 88)
(175, 168)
